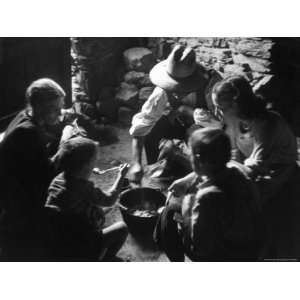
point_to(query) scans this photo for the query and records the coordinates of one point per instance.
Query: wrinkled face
(52, 111)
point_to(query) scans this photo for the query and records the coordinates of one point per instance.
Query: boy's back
(223, 216)
(76, 196)
(76, 218)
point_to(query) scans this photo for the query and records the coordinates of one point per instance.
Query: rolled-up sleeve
(152, 110)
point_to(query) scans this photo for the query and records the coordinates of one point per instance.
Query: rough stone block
(139, 59)
(85, 108)
(255, 48)
(256, 64)
(164, 49)
(144, 93)
(139, 79)
(192, 42)
(108, 108)
(234, 70)
(125, 115)
(128, 95)
(213, 55)
(208, 42)
(264, 84)
(214, 42)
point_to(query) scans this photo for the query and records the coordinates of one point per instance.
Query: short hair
(43, 91)
(211, 146)
(75, 153)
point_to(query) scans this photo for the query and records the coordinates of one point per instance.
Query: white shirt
(157, 105)
(153, 109)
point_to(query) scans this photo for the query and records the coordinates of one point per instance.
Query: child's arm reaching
(112, 195)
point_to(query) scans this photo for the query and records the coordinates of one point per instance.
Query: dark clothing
(223, 218)
(77, 196)
(162, 129)
(25, 174)
(161, 115)
(219, 220)
(25, 167)
(167, 236)
(69, 237)
(280, 216)
(79, 218)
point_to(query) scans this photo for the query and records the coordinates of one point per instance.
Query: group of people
(49, 210)
(238, 200)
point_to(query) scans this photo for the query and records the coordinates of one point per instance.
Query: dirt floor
(136, 248)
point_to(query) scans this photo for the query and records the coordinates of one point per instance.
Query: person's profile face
(218, 109)
(53, 111)
(223, 110)
(93, 161)
(197, 164)
(195, 161)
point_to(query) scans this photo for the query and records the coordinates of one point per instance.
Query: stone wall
(272, 65)
(97, 67)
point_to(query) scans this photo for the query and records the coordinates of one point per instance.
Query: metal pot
(141, 199)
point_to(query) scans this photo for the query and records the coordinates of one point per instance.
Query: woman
(265, 144)
(26, 167)
(266, 152)
(267, 149)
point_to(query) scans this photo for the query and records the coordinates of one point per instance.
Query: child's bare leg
(114, 237)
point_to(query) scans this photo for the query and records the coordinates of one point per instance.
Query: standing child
(79, 233)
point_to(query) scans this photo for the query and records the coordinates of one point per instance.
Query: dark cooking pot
(141, 199)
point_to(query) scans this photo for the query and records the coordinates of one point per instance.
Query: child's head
(77, 156)
(210, 149)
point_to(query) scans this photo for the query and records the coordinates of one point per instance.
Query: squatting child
(81, 235)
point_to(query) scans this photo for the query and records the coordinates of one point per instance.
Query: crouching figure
(211, 213)
(75, 208)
